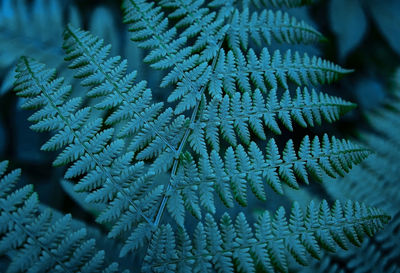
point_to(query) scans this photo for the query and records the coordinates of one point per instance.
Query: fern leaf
(242, 112)
(145, 123)
(230, 175)
(231, 245)
(268, 26)
(302, 70)
(38, 241)
(103, 167)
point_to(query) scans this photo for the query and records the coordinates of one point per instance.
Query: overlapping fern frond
(228, 88)
(140, 158)
(195, 67)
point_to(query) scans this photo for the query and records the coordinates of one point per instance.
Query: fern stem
(186, 135)
(116, 90)
(65, 120)
(184, 141)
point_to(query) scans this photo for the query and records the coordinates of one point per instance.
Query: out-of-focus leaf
(348, 21)
(7, 82)
(102, 24)
(370, 93)
(27, 143)
(74, 17)
(386, 14)
(2, 139)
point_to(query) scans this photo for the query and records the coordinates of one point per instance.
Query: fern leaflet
(36, 241)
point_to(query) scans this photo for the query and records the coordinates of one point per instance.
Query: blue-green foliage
(149, 129)
(139, 159)
(349, 21)
(32, 29)
(38, 241)
(104, 168)
(379, 187)
(274, 240)
(192, 67)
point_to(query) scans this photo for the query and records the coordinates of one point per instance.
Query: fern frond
(152, 130)
(269, 26)
(275, 68)
(243, 113)
(38, 241)
(98, 160)
(274, 240)
(263, 71)
(378, 254)
(229, 176)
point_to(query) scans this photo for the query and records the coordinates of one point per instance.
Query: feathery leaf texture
(230, 176)
(377, 254)
(191, 67)
(144, 158)
(265, 26)
(37, 241)
(231, 244)
(151, 130)
(236, 113)
(104, 169)
(375, 182)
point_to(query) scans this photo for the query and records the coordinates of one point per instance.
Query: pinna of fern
(231, 175)
(275, 240)
(99, 161)
(37, 240)
(149, 129)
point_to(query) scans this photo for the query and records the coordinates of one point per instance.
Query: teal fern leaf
(38, 241)
(240, 112)
(104, 169)
(201, 71)
(150, 130)
(190, 65)
(264, 26)
(227, 245)
(231, 175)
